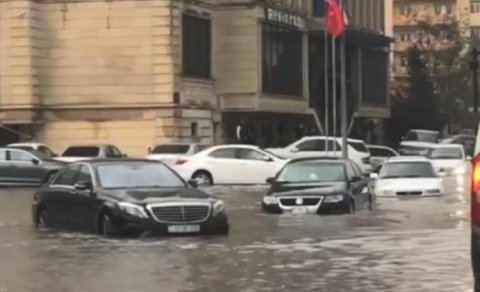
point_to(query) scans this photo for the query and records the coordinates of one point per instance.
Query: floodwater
(402, 245)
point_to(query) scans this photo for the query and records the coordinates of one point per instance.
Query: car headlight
(132, 209)
(433, 191)
(218, 207)
(333, 199)
(270, 200)
(459, 170)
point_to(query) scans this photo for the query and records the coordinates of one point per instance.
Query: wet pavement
(402, 245)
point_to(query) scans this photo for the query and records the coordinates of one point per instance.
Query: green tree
(423, 104)
(445, 48)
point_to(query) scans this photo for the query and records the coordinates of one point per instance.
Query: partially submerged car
(318, 186)
(417, 142)
(406, 177)
(115, 197)
(90, 151)
(170, 153)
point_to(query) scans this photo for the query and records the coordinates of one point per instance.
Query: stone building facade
(141, 72)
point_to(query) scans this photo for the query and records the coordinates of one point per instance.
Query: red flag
(334, 19)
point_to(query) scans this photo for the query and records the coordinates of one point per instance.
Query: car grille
(180, 213)
(293, 201)
(413, 193)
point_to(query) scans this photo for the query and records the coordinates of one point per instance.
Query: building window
(282, 61)
(475, 6)
(404, 9)
(196, 46)
(319, 8)
(475, 31)
(442, 9)
(194, 129)
(445, 35)
(405, 36)
(403, 61)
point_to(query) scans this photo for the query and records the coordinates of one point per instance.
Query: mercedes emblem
(299, 201)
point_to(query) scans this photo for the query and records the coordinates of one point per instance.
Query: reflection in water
(403, 245)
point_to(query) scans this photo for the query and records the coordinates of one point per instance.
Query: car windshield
(312, 171)
(359, 146)
(171, 149)
(82, 151)
(445, 153)
(28, 148)
(137, 175)
(431, 137)
(407, 169)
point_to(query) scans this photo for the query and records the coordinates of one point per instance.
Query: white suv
(316, 146)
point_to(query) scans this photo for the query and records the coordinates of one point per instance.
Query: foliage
(439, 77)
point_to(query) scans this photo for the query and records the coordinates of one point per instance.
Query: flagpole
(325, 61)
(334, 93)
(343, 88)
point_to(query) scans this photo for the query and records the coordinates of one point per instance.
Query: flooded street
(403, 245)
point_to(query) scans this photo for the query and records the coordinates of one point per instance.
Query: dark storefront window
(319, 8)
(282, 60)
(374, 77)
(196, 38)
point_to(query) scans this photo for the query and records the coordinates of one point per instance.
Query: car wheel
(109, 228)
(42, 220)
(203, 177)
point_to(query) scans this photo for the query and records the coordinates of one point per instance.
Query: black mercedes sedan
(318, 186)
(126, 197)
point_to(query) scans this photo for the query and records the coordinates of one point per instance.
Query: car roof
(180, 143)
(99, 161)
(89, 145)
(424, 131)
(378, 146)
(332, 138)
(32, 144)
(447, 146)
(319, 158)
(408, 159)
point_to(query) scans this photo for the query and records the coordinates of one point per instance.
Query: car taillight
(181, 161)
(475, 189)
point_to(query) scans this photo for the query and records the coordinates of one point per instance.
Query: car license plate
(183, 228)
(299, 210)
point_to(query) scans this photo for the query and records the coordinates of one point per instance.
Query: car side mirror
(83, 186)
(270, 180)
(373, 175)
(35, 161)
(193, 183)
(124, 155)
(294, 150)
(149, 150)
(267, 159)
(468, 158)
(54, 155)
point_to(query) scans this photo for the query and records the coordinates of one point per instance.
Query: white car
(316, 146)
(169, 153)
(40, 147)
(230, 164)
(408, 177)
(379, 154)
(417, 142)
(448, 158)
